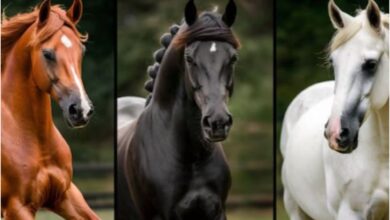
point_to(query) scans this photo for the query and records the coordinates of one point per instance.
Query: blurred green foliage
(140, 25)
(93, 143)
(303, 33)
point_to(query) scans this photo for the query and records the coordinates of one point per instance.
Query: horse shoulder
(304, 155)
(301, 104)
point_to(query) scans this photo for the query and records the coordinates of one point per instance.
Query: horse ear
(229, 16)
(190, 13)
(44, 11)
(339, 18)
(75, 11)
(374, 15)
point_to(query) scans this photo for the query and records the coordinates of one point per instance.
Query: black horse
(171, 165)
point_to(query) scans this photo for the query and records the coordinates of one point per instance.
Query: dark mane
(13, 28)
(165, 41)
(208, 27)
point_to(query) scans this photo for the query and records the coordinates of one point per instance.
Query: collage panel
(160, 145)
(194, 110)
(332, 110)
(57, 132)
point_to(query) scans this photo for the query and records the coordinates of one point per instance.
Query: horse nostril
(91, 111)
(342, 140)
(344, 133)
(205, 122)
(230, 120)
(72, 109)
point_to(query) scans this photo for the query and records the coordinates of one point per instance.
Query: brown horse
(41, 56)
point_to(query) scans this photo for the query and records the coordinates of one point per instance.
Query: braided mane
(209, 26)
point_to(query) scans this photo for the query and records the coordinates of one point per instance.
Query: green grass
(46, 215)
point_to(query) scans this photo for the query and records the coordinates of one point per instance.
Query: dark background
(94, 144)
(249, 147)
(303, 32)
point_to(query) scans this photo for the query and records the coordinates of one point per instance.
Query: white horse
(336, 144)
(128, 109)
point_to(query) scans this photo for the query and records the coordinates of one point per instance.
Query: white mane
(358, 23)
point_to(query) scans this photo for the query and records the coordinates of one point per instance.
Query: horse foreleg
(346, 212)
(15, 210)
(292, 208)
(378, 208)
(74, 207)
(223, 216)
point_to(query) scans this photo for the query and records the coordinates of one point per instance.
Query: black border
(274, 99)
(115, 50)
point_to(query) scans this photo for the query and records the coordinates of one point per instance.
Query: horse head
(209, 56)
(57, 52)
(360, 60)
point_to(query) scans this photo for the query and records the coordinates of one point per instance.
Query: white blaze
(84, 100)
(213, 47)
(65, 41)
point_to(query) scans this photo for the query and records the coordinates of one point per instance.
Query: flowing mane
(209, 27)
(13, 28)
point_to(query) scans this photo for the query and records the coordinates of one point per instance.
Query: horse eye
(49, 55)
(197, 87)
(233, 59)
(190, 60)
(370, 65)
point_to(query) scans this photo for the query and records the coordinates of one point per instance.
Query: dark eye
(370, 65)
(330, 62)
(233, 59)
(197, 87)
(49, 55)
(190, 60)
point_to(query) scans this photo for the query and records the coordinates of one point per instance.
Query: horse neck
(382, 120)
(30, 106)
(169, 77)
(170, 103)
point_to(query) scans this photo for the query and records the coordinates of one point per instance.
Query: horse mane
(208, 27)
(345, 34)
(13, 28)
(165, 41)
(385, 21)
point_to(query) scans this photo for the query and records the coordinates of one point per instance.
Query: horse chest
(49, 185)
(361, 176)
(203, 198)
(191, 191)
(37, 179)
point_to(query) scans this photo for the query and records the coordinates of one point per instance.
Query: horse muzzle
(341, 136)
(76, 113)
(216, 127)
